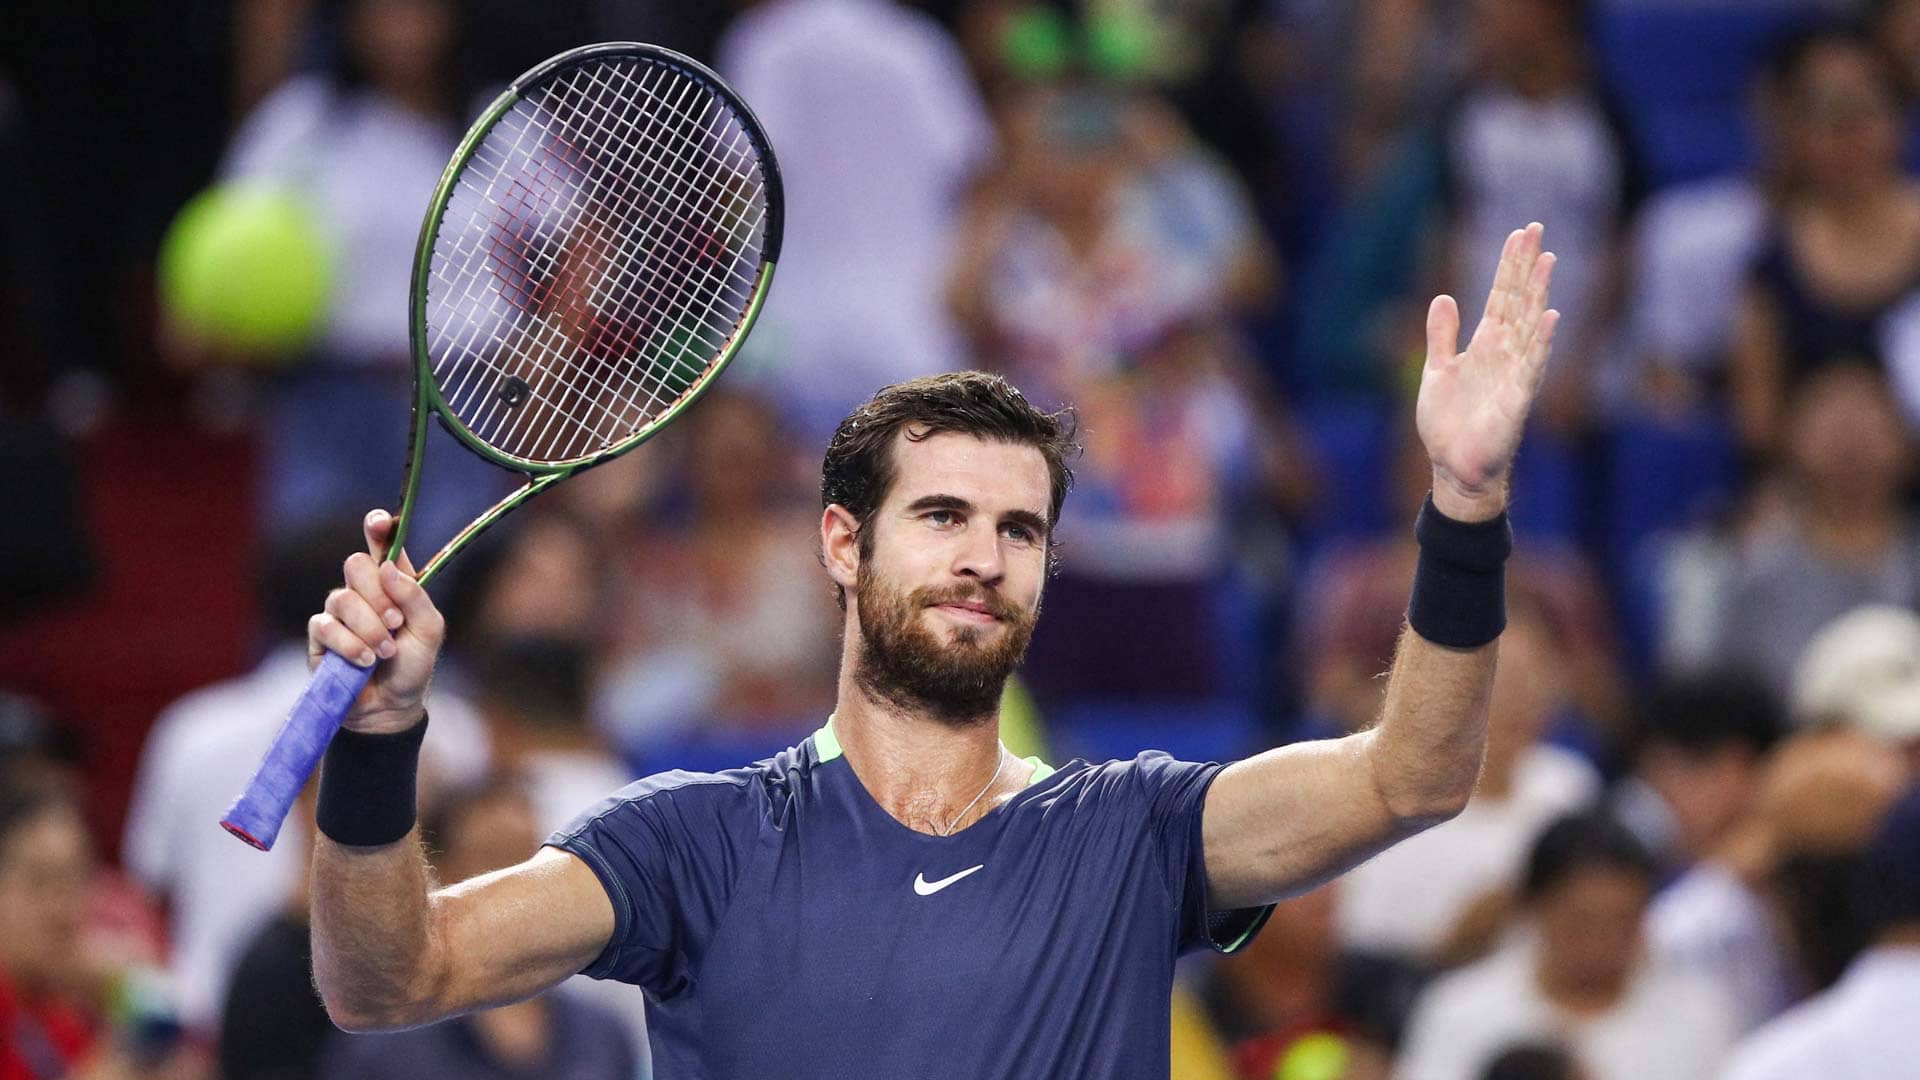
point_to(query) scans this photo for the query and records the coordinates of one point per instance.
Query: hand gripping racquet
(593, 257)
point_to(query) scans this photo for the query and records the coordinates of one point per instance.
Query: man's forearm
(1427, 750)
(373, 936)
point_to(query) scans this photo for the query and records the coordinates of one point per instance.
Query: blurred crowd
(1212, 226)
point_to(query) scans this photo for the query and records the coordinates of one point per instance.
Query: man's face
(949, 580)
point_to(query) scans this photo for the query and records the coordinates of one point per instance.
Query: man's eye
(940, 517)
(1019, 533)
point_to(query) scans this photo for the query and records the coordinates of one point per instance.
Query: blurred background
(1211, 225)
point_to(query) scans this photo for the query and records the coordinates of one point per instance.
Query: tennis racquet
(591, 260)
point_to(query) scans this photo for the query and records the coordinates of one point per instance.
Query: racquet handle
(256, 816)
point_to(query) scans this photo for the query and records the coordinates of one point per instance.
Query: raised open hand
(1473, 403)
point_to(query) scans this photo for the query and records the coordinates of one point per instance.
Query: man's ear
(840, 545)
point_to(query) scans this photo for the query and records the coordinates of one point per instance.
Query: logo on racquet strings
(513, 390)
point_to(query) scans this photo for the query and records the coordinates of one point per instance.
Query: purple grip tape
(256, 816)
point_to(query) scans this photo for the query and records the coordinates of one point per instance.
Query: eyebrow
(1028, 518)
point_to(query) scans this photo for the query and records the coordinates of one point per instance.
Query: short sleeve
(1176, 796)
(665, 849)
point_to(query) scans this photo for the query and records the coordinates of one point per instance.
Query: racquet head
(593, 257)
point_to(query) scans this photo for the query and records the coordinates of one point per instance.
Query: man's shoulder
(1148, 780)
(681, 794)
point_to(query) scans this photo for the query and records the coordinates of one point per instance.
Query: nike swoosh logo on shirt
(923, 887)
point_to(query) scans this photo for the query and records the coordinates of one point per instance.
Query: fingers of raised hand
(1505, 276)
(1540, 347)
(1512, 283)
(1527, 321)
(364, 576)
(1443, 330)
(416, 609)
(327, 632)
(378, 529)
(365, 610)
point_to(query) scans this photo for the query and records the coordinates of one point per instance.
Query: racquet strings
(600, 250)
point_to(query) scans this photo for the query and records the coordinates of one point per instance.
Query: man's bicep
(1281, 822)
(515, 932)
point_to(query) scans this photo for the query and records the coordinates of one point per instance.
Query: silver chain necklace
(948, 831)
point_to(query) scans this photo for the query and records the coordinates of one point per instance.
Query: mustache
(996, 605)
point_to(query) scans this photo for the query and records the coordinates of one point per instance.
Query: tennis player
(899, 896)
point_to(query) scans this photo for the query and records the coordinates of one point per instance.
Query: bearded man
(899, 896)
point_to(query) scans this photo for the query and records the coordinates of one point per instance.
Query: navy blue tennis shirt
(783, 924)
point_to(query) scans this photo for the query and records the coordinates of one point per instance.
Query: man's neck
(921, 769)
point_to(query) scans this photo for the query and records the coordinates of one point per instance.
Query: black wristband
(1460, 583)
(367, 786)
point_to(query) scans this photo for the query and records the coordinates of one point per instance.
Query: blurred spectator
(1533, 137)
(532, 694)
(33, 743)
(1702, 743)
(1819, 807)
(365, 142)
(1694, 242)
(1534, 1061)
(1830, 533)
(1862, 672)
(723, 617)
(1355, 602)
(543, 573)
(1101, 260)
(1292, 988)
(1580, 975)
(1404, 59)
(1839, 278)
(556, 1035)
(1705, 755)
(60, 983)
(1190, 472)
(200, 753)
(1105, 231)
(878, 128)
(1896, 26)
(1727, 919)
(1441, 894)
(1863, 1026)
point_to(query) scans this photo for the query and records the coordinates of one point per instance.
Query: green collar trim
(827, 745)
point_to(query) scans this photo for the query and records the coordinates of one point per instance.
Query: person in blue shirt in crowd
(899, 895)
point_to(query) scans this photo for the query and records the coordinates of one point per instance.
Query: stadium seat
(1661, 476)
(1680, 69)
(1352, 439)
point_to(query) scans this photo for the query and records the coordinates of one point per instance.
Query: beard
(903, 662)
